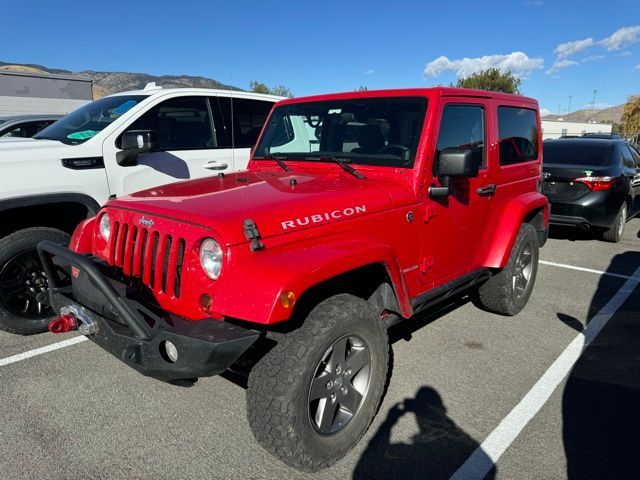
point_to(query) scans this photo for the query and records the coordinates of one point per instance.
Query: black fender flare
(48, 199)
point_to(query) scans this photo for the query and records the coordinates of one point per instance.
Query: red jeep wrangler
(358, 210)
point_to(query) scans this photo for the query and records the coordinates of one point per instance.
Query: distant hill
(106, 83)
(605, 115)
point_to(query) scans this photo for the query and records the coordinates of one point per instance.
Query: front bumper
(133, 332)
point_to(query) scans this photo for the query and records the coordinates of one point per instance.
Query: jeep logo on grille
(147, 222)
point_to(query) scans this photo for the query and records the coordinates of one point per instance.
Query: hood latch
(252, 234)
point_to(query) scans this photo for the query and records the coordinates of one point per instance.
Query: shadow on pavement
(435, 452)
(601, 399)
(573, 234)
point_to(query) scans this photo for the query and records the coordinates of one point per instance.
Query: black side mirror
(459, 162)
(456, 163)
(134, 143)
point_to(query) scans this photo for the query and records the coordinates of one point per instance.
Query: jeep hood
(278, 202)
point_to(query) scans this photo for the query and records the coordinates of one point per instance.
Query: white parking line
(489, 452)
(582, 269)
(39, 351)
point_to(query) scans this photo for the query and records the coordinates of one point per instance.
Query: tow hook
(73, 317)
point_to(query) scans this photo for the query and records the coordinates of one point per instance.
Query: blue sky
(559, 48)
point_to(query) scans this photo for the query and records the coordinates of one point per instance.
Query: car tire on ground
(614, 234)
(313, 396)
(22, 278)
(508, 291)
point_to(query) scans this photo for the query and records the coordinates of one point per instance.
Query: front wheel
(313, 396)
(507, 292)
(22, 278)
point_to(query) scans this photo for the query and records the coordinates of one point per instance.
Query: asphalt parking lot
(471, 393)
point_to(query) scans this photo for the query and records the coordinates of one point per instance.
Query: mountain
(605, 115)
(106, 83)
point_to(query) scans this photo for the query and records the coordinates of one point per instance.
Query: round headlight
(211, 258)
(105, 226)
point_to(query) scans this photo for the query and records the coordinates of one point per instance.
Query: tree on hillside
(279, 90)
(631, 116)
(491, 79)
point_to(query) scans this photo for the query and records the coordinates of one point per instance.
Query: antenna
(569, 109)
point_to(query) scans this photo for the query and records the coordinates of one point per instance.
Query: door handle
(215, 166)
(487, 190)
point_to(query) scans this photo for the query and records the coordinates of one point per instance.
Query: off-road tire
(278, 387)
(11, 246)
(497, 294)
(615, 233)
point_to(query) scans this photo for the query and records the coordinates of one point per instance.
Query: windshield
(368, 131)
(568, 152)
(85, 122)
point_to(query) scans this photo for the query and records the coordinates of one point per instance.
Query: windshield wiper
(46, 138)
(279, 160)
(343, 162)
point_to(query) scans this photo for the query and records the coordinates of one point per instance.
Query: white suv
(111, 147)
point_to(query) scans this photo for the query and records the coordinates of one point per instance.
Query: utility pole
(559, 107)
(593, 105)
(569, 109)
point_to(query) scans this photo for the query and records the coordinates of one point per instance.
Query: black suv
(592, 183)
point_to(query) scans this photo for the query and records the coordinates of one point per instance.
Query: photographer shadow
(436, 452)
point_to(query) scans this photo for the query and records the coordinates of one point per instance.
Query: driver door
(187, 147)
(455, 225)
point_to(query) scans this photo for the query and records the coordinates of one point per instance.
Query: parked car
(358, 210)
(108, 148)
(592, 183)
(24, 126)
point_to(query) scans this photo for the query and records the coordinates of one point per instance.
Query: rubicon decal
(324, 217)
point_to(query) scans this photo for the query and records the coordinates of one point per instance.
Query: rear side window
(462, 126)
(248, 118)
(630, 157)
(518, 134)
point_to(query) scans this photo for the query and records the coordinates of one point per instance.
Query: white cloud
(533, 3)
(621, 38)
(370, 72)
(568, 49)
(517, 63)
(559, 65)
(637, 67)
(593, 58)
(626, 53)
(544, 112)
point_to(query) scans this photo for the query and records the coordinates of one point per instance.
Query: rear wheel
(313, 396)
(22, 279)
(615, 233)
(508, 291)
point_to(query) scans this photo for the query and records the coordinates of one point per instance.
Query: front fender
(254, 282)
(499, 244)
(82, 238)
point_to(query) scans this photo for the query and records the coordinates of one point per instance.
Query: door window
(27, 130)
(462, 126)
(518, 135)
(248, 118)
(180, 124)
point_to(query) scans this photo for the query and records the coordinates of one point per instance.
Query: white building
(27, 93)
(559, 128)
